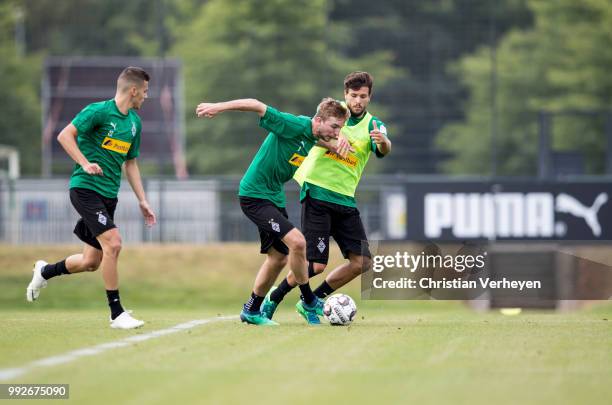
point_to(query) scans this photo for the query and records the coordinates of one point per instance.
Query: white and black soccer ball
(340, 309)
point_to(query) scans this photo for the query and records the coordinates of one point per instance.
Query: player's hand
(147, 213)
(93, 168)
(343, 146)
(207, 110)
(377, 136)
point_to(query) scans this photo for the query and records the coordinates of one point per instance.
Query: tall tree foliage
(19, 101)
(425, 37)
(283, 54)
(561, 64)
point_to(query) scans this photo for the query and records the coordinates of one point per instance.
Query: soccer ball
(340, 309)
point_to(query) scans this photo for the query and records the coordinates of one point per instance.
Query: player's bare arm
(67, 138)
(210, 110)
(132, 173)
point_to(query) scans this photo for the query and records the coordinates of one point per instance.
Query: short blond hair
(328, 107)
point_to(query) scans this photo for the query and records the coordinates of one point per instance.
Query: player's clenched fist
(93, 168)
(343, 147)
(207, 110)
(377, 136)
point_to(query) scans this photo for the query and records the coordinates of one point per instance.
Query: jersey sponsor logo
(297, 160)
(116, 145)
(350, 160)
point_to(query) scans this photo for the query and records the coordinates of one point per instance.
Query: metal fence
(38, 211)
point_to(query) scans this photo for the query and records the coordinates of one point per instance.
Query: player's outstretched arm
(67, 138)
(132, 173)
(210, 110)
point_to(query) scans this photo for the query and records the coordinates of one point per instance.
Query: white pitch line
(10, 373)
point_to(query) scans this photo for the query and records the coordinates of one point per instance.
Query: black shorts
(97, 213)
(272, 222)
(322, 219)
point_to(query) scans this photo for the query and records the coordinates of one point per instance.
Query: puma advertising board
(509, 211)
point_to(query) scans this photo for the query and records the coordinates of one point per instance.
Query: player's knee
(300, 244)
(112, 246)
(91, 264)
(297, 242)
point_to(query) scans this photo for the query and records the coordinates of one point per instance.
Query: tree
(560, 64)
(424, 37)
(283, 54)
(19, 101)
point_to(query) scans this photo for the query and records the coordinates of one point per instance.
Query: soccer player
(262, 196)
(328, 189)
(100, 139)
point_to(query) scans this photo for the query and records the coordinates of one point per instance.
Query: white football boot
(125, 321)
(38, 282)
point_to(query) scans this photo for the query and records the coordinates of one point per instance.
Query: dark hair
(357, 80)
(134, 75)
(328, 107)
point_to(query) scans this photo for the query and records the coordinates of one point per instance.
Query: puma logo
(569, 205)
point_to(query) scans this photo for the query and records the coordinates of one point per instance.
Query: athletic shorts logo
(116, 145)
(321, 245)
(101, 218)
(296, 160)
(275, 225)
(350, 160)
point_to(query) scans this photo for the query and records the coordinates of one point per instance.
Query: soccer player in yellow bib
(328, 183)
(262, 194)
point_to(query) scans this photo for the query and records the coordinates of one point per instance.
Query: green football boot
(256, 318)
(268, 307)
(310, 314)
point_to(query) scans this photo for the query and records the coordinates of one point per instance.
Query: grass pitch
(395, 352)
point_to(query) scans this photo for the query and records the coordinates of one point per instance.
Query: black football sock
(307, 294)
(324, 290)
(283, 289)
(254, 303)
(311, 272)
(54, 270)
(114, 303)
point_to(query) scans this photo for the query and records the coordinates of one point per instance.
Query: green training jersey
(107, 137)
(279, 156)
(328, 177)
